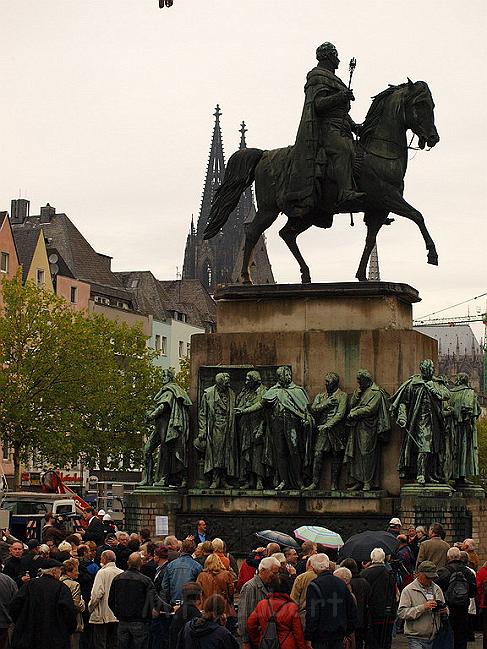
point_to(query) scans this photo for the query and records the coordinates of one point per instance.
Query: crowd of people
(102, 588)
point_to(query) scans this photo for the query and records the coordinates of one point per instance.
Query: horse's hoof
(306, 278)
(433, 258)
(245, 280)
(361, 278)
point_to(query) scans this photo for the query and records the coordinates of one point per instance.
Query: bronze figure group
(275, 438)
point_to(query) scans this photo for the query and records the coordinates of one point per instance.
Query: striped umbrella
(319, 535)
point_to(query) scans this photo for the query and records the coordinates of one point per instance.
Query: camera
(440, 605)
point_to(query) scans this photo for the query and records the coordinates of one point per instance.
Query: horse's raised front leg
(289, 233)
(373, 227)
(396, 203)
(253, 230)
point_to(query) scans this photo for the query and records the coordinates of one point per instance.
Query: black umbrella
(359, 546)
(277, 537)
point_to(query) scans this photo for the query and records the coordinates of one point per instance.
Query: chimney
(19, 210)
(47, 213)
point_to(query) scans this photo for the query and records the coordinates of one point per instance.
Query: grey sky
(107, 109)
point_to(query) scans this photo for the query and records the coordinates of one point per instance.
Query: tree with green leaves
(71, 384)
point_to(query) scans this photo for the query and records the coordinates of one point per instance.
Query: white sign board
(162, 525)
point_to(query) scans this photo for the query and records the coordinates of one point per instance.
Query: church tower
(216, 262)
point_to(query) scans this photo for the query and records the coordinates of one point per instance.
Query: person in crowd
(255, 590)
(148, 564)
(13, 567)
(472, 608)
(8, 590)
(109, 526)
(206, 548)
(216, 580)
(291, 561)
(421, 534)
(201, 535)
(382, 600)
(190, 608)
(331, 612)
(110, 543)
(132, 600)
(395, 526)
(70, 577)
(458, 585)
(272, 548)
(286, 568)
(101, 616)
(435, 548)
(208, 631)
(249, 567)
(161, 561)
(361, 590)
(94, 527)
(482, 598)
(6, 540)
(300, 588)
(219, 550)
(469, 547)
(345, 575)
(307, 549)
(145, 535)
(50, 531)
(122, 550)
(64, 551)
(87, 569)
(421, 606)
(43, 612)
(173, 546)
(406, 562)
(178, 572)
(285, 612)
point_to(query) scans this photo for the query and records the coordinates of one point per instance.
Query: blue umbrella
(282, 539)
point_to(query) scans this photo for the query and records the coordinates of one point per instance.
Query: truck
(27, 510)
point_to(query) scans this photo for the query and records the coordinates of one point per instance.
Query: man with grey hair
(101, 616)
(331, 612)
(382, 601)
(458, 584)
(43, 611)
(255, 591)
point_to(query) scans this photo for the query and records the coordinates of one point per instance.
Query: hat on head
(51, 563)
(107, 517)
(64, 546)
(33, 543)
(395, 521)
(110, 536)
(162, 552)
(428, 568)
(101, 512)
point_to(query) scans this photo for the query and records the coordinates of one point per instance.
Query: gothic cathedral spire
(216, 262)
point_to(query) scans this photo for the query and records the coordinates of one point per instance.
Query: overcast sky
(107, 106)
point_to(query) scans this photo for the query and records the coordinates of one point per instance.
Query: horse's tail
(239, 175)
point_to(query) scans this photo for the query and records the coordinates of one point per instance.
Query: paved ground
(400, 642)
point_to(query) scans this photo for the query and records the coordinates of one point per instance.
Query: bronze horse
(381, 162)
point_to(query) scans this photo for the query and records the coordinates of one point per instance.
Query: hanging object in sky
(165, 3)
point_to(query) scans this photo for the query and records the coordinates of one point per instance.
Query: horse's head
(419, 112)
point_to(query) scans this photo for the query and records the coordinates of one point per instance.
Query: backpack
(270, 639)
(457, 593)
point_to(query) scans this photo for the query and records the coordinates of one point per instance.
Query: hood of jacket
(200, 628)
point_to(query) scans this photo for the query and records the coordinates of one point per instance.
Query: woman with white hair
(382, 601)
(219, 549)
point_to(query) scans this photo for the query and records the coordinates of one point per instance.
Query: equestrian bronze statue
(327, 172)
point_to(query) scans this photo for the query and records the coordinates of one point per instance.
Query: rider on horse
(324, 136)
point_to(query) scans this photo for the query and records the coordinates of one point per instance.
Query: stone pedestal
(315, 329)
(318, 328)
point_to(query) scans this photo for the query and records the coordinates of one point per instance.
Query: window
(74, 295)
(134, 283)
(5, 452)
(4, 259)
(41, 277)
(158, 343)
(188, 349)
(181, 348)
(163, 346)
